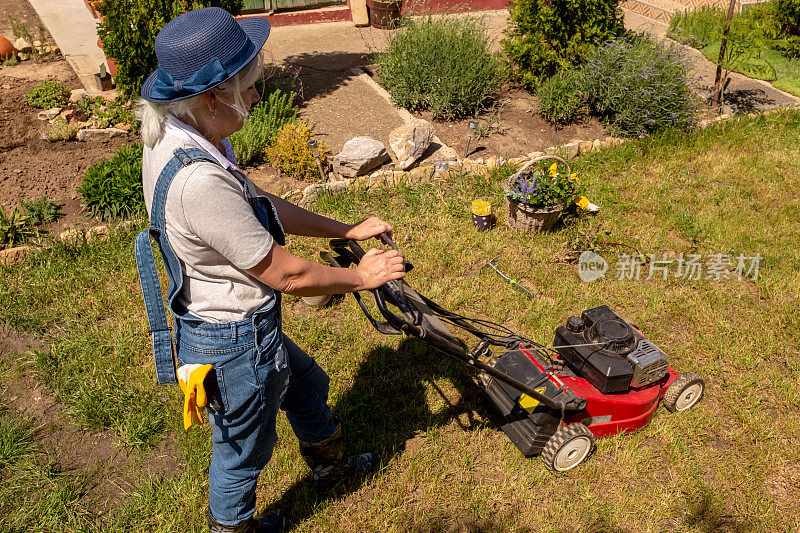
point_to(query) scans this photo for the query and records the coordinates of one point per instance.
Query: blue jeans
(259, 369)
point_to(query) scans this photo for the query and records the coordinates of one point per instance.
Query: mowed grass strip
(730, 464)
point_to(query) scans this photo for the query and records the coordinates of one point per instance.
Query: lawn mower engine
(602, 358)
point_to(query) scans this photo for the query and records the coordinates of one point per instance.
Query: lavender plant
(639, 86)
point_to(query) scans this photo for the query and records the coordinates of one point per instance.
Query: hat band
(166, 87)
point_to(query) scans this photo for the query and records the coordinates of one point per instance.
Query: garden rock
(409, 141)
(23, 45)
(12, 256)
(571, 150)
(102, 135)
(49, 114)
(76, 95)
(359, 156)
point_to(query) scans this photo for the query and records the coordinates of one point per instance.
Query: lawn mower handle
(410, 325)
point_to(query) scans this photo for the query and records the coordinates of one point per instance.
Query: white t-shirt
(211, 227)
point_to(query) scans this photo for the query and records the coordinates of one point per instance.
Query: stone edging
(423, 173)
(72, 235)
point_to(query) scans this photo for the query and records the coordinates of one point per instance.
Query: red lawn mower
(601, 376)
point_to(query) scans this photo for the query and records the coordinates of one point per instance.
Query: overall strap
(163, 347)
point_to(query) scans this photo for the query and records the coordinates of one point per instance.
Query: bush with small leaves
(290, 152)
(639, 86)
(560, 98)
(266, 118)
(443, 64)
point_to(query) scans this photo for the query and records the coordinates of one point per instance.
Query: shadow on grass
(386, 407)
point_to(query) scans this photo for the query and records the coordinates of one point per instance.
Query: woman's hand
(379, 266)
(367, 228)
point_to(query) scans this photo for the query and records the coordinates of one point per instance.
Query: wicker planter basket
(526, 218)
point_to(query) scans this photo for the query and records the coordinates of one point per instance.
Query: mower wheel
(684, 392)
(568, 447)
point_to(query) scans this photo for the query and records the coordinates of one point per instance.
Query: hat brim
(256, 28)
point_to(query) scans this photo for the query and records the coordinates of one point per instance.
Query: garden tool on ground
(512, 281)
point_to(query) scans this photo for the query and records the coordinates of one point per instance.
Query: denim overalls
(252, 357)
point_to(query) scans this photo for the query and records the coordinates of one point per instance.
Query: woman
(222, 242)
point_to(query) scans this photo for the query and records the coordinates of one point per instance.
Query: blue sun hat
(201, 49)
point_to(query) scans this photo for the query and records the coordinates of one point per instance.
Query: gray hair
(153, 115)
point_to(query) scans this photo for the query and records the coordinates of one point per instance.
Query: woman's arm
(293, 275)
(298, 221)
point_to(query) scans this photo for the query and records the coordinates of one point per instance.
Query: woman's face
(227, 121)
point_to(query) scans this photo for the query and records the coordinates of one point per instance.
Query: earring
(213, 115)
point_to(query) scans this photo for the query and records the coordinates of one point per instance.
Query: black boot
(327, 461)
(272, 523)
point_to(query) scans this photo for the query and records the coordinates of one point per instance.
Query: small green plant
(540, 188)
(560, 98)
(442, 64)
(60, 130)
(266, 118)
(128, 32)
(113, 188)
(638, 86)
(20, 28)
(290, 152)
(544, 36)
(15, 228)
(41, 210)
(48, 94)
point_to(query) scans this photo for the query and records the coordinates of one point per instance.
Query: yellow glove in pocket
(190, 378)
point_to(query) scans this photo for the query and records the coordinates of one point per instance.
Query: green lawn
(731, 464)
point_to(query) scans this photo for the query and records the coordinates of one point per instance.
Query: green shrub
(544, 36)
(128, 33)
(113, 188)
(48, 94)
(290, 152)
(639, 86)
(697, 28)
(560, 97)
(788, 14)
(41, 210)
(266, 118)
(442, 64)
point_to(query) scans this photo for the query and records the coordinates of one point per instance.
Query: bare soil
(512, 128)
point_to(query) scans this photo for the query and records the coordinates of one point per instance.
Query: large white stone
(49, 114)
(409, 141)
(103, 134)
(359, 156)
(23, 45)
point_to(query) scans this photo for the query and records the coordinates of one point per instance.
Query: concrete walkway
(333, 47)
(75, 32)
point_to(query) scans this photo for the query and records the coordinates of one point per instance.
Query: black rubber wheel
(684, 392)
(568, 447)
